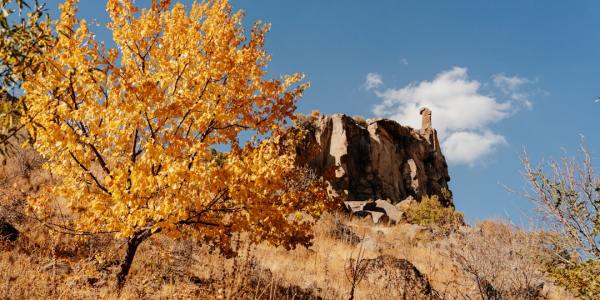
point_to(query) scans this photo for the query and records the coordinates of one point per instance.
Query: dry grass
(167, 269)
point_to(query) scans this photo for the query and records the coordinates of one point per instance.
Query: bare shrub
(502, 261)
(356, 270)
(567, 194)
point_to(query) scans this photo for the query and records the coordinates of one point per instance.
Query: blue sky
(527, 72)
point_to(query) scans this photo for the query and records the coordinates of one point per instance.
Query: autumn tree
(133, 132)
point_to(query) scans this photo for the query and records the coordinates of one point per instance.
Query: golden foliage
(131, 131)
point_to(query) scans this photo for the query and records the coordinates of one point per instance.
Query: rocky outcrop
(379, 158)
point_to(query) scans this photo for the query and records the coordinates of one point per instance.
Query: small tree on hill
(131, 131)
(567, 193)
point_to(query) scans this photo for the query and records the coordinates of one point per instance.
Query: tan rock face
(385, 160)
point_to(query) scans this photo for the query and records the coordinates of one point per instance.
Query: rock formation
(400, 277)
(425, 119)
(380, 159)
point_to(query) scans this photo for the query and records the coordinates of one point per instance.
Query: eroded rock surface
(400, 277)
(380, 159)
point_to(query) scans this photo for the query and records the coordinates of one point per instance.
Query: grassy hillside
(492, 259)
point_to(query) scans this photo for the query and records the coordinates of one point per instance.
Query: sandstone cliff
(379, 158)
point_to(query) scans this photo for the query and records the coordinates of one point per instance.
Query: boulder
(377, 216)
(393, 213)
(380, 211)
(400, 277)
(354, 206)
(404, 204)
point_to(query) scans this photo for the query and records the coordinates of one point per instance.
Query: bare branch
(100, 186)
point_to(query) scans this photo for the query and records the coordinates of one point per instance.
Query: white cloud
(462, 113)
(508, 83)
(512, 87)
(462, 147)
(373, 81)
(455, 100)
(404, 61)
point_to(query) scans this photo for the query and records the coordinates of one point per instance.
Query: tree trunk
(132, 246)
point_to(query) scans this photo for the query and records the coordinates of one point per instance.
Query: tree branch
(53, 226)
(100, 159)
(100, 186)
(190, 109)
(152, 132)
(135, 153)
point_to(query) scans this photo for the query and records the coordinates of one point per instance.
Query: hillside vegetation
(492, 260)
(165, 168)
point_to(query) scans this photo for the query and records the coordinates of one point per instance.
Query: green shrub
(431, 213)
(582, 278)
